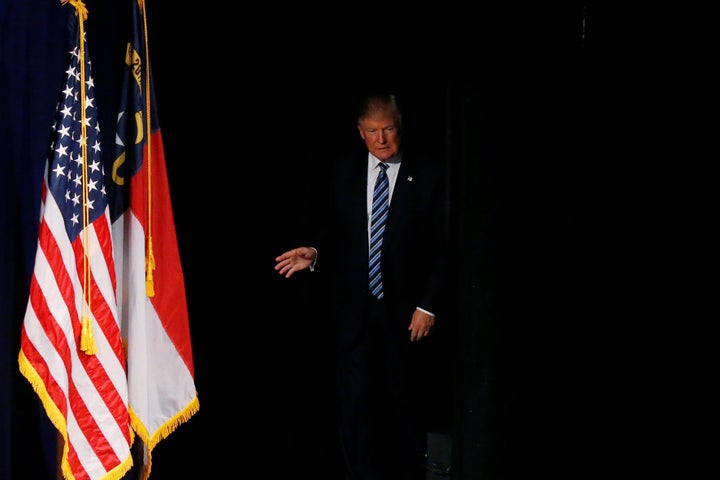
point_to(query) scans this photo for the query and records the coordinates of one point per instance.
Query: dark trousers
(380, 435)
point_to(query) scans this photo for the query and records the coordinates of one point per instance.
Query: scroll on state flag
(151, 290)
(71, 349)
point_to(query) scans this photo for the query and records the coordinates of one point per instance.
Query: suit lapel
(402, 194)
(355, 187)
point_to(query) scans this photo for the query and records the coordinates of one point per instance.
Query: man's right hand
(295, 260)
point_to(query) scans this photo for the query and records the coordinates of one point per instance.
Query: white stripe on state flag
(160, 383)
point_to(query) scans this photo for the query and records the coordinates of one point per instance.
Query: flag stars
(61, 151)
(64, 131)
(77, 169)
(67, 111)
(71, 72)
(78, 180)
(59, 170)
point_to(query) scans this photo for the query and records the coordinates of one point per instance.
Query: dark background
(527, 106)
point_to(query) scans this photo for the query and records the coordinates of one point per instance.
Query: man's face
(381, 136)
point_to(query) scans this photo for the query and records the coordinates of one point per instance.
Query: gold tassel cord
(150, 255)
(87, 342)
(149, 268)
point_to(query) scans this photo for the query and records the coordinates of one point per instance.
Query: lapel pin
(409, 179)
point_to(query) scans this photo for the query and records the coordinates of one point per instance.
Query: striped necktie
(381, 197)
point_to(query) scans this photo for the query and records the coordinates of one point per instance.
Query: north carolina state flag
(151, 290)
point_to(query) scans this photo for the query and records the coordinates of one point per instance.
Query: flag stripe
(102, 294)
(100, 308)
(68, 358)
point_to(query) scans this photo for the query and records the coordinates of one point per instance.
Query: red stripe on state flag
(169, 300)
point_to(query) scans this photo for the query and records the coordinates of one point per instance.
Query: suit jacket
(414, 256)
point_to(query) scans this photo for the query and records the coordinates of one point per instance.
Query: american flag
(151, 289)
(70, 347)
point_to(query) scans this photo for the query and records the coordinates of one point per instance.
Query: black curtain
(33, 47)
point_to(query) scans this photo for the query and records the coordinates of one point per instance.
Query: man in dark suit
(380, 322)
